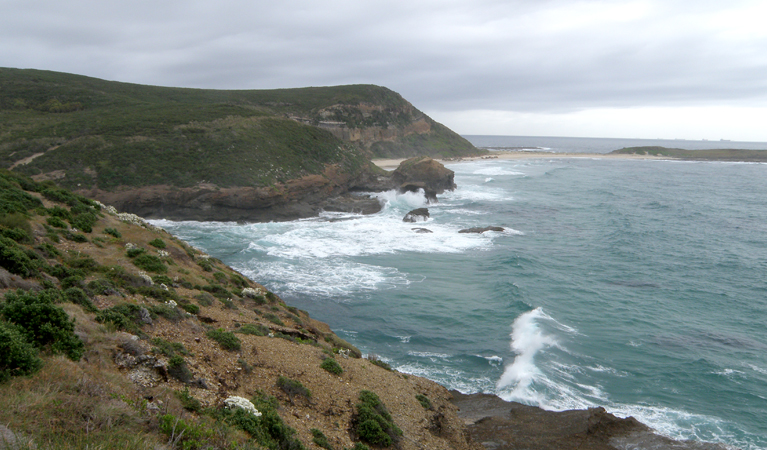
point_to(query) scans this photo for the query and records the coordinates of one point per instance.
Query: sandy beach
(391, 164)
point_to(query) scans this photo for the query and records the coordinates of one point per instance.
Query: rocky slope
(164, 334)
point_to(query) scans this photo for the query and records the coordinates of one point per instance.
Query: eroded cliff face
(334, 190)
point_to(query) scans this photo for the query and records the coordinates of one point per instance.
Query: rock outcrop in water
(480, 230)
(417, 215)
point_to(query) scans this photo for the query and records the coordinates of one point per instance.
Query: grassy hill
(87, 133)
(698, 155)
(116, 335)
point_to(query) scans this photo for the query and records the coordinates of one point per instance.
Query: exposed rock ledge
(334, 190)
(501, 425)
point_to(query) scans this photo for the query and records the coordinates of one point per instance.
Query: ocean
(636, 285)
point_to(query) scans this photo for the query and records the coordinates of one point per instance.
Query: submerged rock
(481, 229)
(417, 215)
(422, 230)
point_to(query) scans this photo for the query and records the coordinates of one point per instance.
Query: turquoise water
(634, 285)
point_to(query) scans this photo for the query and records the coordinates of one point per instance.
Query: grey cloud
(447, 55)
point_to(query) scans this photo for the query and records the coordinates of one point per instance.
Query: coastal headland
(142, 341)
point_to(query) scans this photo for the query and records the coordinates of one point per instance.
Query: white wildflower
(131, 218)
(344, 353)
(252, 293)
(130, 246)
(146, 278)
(242, 403)
(164, 288)
(163, 253)
(171, 303)
(202, 256)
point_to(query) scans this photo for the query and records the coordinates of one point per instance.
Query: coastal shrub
(56, 222)
(84, 221)
(48, 250)
(178, 369)
(372, 421)
(16, 226)
(79, 297)
(157, 292)
(206, 264)
(168, 348)
(14, 259)
(14, 200)
(42, 323)
(319, 438)
(253, 329)
(112, 232)
(274, 319)
(17, 356)
(373, 358)
(188, 402)
(268, 429)
(168, 311)
(134, 252)
(76, 237)
(226, 339)
(217, 290)
(150, 263)
(126, 316)
(424, 401)
(272, 297)
(187, 436)
(162, 279)
(158, 243)
(332, 366)
(293, 388)
(86, 263)
(340, 344)
(191, 308)
(204, 299)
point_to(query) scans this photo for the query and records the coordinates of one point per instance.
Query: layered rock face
(334, 190)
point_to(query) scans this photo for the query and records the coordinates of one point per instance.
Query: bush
(17, 356)
(56, 222)
(150, 263)
(126, 316)
(373, 358)
(226, 339)
(76, 237)
(253, 329)
(190, 308)
(42, 323)
(14, 259)
(78, 297)
(134, 252)
(372, 421)
(204, 299)
(320, 439)
(112, 232)
(169, 312)
(332, 366)
(424, 400)
(168, 348)
(188, 402)
(158, 243)
(178, 369)
(274, 319)
(269, 430)
(293, 388)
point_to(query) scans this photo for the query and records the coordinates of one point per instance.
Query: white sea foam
(333, 279)
(428, 354)
(527, 339)
(489, 179)
(496, 171)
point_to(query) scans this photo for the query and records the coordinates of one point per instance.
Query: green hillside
(85, 132)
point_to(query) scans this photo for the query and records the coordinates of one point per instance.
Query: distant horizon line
(614, 138)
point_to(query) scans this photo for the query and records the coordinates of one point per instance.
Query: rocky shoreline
(500, 425)
(308, 196)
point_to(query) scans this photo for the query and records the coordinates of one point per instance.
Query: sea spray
(527, 340)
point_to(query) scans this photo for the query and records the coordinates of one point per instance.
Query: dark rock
(502, 425)
(144, 316)
(357, 204)
(422, 230)
(480, 229)
(434, 176)
(417, 215)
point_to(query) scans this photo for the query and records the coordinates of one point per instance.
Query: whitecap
(428, 354)
(527, 339)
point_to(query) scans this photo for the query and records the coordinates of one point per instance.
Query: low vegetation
(698, 155)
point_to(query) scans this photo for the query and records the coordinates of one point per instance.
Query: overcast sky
(692, 69)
